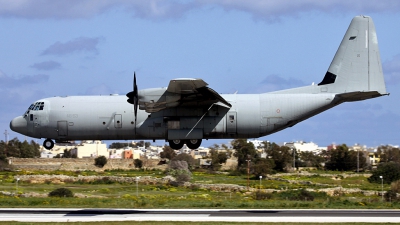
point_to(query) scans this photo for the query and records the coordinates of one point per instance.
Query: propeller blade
(133, 98)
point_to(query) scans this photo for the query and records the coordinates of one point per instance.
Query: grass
(123, 195)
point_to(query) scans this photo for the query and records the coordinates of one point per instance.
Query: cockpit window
(38, 106)
(35, 107)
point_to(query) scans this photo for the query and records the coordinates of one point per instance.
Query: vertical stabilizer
(356, 66)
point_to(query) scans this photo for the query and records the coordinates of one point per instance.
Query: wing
(181, 92)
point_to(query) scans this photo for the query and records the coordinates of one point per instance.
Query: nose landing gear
(48, 144)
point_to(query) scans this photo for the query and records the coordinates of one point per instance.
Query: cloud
(391, 70)
(160, 9)
(274, 10)
(78, 9)
(275, 83)
(17, 93)
(10, 82)
(81, 44)
(47, 65)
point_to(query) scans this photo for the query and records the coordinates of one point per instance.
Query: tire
(193, 143)
(48, 144)
(176, 144)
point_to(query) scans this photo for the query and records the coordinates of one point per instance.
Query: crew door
(231, 122)
(62, 128)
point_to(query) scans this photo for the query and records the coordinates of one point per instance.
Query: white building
(90, 149)
(302, 146)
(257, 143)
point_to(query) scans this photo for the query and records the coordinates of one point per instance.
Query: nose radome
(19, 124)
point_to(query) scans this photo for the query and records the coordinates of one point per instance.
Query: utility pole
(6, 145)
(294, 159)
(6, 137)
(358, 160)
(382, 186)
(248, 172)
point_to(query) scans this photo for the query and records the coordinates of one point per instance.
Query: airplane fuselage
(112, 118)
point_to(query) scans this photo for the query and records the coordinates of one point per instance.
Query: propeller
(133, 98)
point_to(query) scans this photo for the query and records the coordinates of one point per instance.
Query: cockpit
(34, 107)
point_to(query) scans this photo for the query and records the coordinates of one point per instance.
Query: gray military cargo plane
(188, 111)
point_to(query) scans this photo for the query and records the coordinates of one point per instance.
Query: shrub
(390, 196)
(390, 172)
(298, 195)
(138, 163)
(61, 192)
(100, 161)
(262, 195)
(395, 186)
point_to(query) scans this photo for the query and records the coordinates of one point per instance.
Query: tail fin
(356, 66)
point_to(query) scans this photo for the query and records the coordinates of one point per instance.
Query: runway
(227, 215)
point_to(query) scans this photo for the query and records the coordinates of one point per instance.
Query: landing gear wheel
(175, 144)
(48, 144)
(193, 143)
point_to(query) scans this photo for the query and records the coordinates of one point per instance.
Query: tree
(18, 149)
(167, 153)
(140, 144)
(390, 172)
(119, 145)
(12, 148)
(138, 163)
(309, 159)
(263, 167)
(217, 158)
(67, 154)
(29, 150)
(389, 154)
(244, 151)
(281, 155)
(100, 161)
(344, 160)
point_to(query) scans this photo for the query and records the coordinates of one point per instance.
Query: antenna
(6, 136)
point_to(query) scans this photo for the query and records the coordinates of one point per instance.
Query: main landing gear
(191, 143)
(48, 144)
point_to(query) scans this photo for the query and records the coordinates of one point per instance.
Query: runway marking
(202, 215)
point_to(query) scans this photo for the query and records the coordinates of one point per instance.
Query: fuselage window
(31, 117)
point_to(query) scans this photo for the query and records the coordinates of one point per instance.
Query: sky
(92, 47)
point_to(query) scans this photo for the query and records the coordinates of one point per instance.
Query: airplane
(188, 111)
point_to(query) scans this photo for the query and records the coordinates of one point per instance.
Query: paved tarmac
(228, 215)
